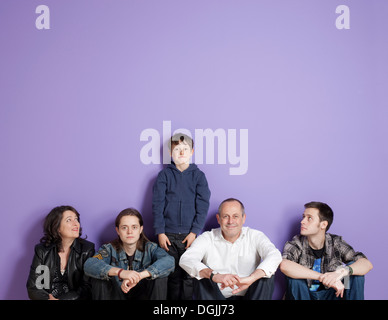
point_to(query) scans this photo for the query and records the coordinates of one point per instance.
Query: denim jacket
(154, 259)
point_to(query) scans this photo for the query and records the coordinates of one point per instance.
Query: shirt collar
(218, 234)
(327, 245)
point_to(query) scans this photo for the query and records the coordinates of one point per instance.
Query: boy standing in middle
(180, 205)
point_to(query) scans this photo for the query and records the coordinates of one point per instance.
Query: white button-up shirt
(252, 250)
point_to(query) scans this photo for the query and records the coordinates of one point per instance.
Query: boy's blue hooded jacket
(180, 201)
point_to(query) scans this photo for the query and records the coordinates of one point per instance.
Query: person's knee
(261, 289)
(296, 289)
(291, 282)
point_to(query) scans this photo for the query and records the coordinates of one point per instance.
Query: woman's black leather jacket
(78, 282)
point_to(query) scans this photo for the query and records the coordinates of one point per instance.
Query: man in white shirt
(232, 262)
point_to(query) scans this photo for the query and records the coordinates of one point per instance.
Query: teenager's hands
(330, 278)
(333, 280)
(131, 278)
(126, 285)
(189, 239)
(339, 288)
(130, 275)
(164, 242)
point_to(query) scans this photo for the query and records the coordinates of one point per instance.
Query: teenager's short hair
(230, 200)
(179, 138)
(325, 212)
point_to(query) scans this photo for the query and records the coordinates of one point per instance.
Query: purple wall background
(74, 100)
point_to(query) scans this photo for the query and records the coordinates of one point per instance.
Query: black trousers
(145, 290)
(262, 289)
(180, 284)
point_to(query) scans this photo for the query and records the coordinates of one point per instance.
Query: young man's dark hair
(325, 212)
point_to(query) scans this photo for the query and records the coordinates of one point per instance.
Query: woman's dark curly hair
(52, 223)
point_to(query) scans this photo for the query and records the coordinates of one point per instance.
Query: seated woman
(57, 267)
(119, 267)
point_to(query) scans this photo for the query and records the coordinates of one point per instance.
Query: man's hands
(226, 280)
(233, 281)
(245, 282)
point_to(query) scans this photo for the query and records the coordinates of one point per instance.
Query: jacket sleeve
(82, 290)
(292, 250)
(162, 263)
(348, 254)
(158, 202)
(35, 293)
(98, 266)
(202, 200)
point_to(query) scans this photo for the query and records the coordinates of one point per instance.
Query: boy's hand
(164, 242)
(189, 239)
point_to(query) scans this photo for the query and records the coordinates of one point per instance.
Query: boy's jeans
(180, 284)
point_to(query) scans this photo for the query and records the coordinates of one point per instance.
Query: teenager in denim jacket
(130, 267)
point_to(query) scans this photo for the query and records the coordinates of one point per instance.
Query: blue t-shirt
(316, 267)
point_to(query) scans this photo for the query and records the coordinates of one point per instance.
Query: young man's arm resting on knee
(296, 271)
